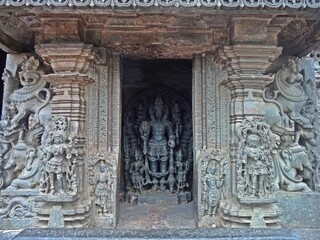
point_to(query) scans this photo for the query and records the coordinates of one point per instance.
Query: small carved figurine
(213, 192)
(182, 169)
(256, 161)
(57, 155)
(103, 189)
(137, 169)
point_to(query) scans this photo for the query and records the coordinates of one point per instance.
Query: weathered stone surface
(204, 234)
(305, 214)
(70, 142)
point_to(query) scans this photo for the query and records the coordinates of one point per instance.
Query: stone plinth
(300, 210)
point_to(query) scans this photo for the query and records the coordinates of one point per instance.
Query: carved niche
(157, 143)
(255, 173)
(59, 160)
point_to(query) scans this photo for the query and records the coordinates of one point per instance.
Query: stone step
(157, 234)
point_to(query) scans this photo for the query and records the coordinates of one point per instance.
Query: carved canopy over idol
(157, 142)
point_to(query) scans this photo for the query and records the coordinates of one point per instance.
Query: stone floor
(156, 216)
(157, 234)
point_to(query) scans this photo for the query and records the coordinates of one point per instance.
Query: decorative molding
(168, 3)
(67, 58)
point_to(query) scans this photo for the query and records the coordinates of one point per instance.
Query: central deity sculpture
(160, 145)
(157, 143)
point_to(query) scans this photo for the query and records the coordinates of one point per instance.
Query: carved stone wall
(211, 107)
(104, 127)
(255, 138)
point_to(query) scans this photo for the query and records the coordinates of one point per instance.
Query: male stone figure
(256, 162)
(161, 143)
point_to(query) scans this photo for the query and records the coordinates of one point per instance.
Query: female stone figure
(57, 155)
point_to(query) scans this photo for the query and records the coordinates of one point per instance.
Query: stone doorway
(157, 143)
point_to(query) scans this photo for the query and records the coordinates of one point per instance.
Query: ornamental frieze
(168, 3)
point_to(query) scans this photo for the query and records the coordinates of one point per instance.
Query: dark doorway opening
(157, 154)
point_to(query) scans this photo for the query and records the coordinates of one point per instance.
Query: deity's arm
(219, 183)
(170, 133)
(244, 156)
(142, 168)
(131, 168)
(48, 154)
(169, 129)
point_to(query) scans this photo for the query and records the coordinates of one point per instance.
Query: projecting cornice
(295, 4)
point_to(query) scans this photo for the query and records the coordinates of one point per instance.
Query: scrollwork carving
(168, 3)
(18, 207)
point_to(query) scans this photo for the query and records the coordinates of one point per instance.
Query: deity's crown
(158, 102)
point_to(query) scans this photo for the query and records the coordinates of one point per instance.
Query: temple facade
(210, 103)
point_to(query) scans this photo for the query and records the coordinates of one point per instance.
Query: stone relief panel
(102, 178)
(213, 167)
(39, 168)
(255, 173)
(157, 144)
(104, 128)
(292, 114)
(277, 152)
(59, 162)
(24, 126)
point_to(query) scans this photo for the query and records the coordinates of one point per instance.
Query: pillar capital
(67, 57)
(247, 63)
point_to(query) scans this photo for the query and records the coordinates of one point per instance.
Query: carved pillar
(246, 64)
(104, 133)
(211, 131)
(70, 63)
(249, 54)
